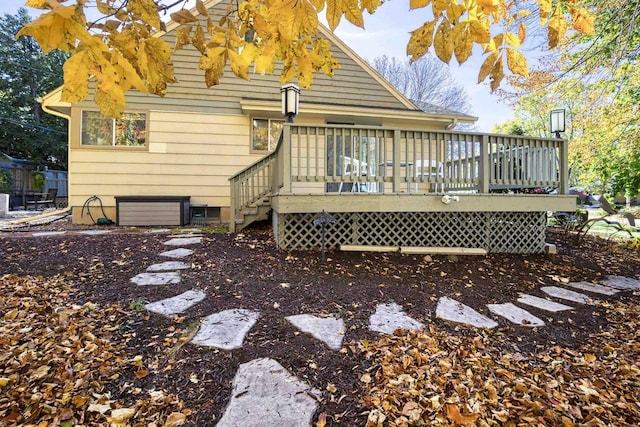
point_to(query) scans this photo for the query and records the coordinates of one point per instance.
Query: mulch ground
(247, 271)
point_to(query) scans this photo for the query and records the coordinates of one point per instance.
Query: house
(358, 149)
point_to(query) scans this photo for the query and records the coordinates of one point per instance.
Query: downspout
(454, 123)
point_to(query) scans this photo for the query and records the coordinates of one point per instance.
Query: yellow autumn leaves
(121, 50)
(458, 27)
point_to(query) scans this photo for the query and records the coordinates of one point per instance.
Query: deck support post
(564, 167)
(483, 173)
(284, 160)
(396, 161)
(233, 205)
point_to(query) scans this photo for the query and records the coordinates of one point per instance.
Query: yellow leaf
(439, 6)
(463, 43)
(37, 4)
(110, 99)
(352, 12)
(56, 29)
(488, 6)
(557, 27)
(322, 420)
(545, 10)
(249, 53)
(369, 5)
(4, 381)
(582, 20)
(154, 61)
(183, 36)
(522, 32)
(183, 16)
(442, 42)
(76, 77)
(239, 65)
(333, 14)
(146, 10)
(264, 64)
(198, 40)
(175, 419)
(512, 39)
(417, 4)
(421, 40)
(201, 8)
(480, 31)
(129, 74)
(497, 74)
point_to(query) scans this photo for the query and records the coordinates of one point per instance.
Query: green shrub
(6, 181)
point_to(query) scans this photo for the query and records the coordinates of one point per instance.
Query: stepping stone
(543, 304)
(556, 292)
(145, 279)
(94, 232)
(177, 304)
(327, 329)
(179, 241)
(225, 330)
(188, 231)
(266, 394)
(177, 253)
(48, 233)
(622, 283)
(158, 230)
(590, 287)
(515, 314)
(452, 310)
(389, 317)
(168, 265)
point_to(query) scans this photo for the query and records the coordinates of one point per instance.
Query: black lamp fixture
(290, 98)
(557, 119)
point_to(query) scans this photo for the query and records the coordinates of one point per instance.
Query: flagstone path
(264, 392)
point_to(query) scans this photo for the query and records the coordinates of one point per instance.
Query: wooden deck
(372, 170)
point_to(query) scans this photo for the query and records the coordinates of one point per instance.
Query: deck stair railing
(334, 159)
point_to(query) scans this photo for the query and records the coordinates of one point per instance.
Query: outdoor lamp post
(557, 118)
(290, 96)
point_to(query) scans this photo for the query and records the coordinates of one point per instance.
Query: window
(265, 134)
(128, 131)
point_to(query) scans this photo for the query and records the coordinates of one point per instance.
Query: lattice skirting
(498, 232)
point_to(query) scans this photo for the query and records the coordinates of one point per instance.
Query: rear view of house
(358, 150)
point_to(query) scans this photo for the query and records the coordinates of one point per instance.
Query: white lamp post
(557, 118)
(290, 97)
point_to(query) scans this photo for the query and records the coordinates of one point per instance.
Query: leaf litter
(436, 378)
(57, 358)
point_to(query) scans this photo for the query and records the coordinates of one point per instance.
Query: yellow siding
(199, 152)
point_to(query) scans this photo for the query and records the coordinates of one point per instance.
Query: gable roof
(356, 87)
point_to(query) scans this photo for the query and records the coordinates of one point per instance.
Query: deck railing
(333, 159)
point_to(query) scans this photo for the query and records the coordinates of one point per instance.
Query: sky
(387, 33)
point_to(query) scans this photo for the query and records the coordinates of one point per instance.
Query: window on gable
(128, 131)
(265, 134)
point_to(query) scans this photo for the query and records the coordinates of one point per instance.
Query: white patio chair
(430, 169)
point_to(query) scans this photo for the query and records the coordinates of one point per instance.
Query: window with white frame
(128, 131)
(265, 134)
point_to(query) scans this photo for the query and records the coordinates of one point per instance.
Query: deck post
(484, 165)
(395, 169)
(234, 206)
(564, 166)
(284, 159)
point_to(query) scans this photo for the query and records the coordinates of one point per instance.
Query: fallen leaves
(434, 377)
(56, 360)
